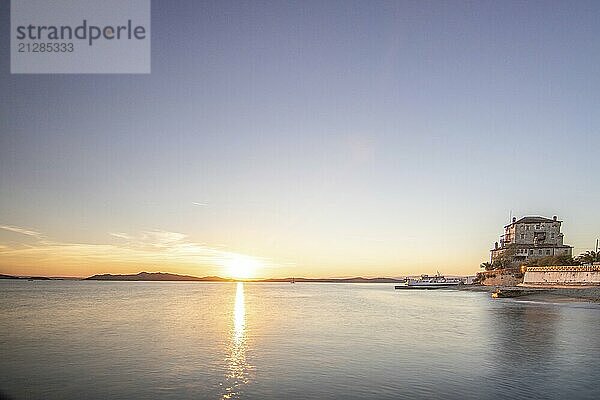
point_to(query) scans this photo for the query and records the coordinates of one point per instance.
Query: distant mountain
(36, 278)
(8, 277)
(155, 276)
(163, 276)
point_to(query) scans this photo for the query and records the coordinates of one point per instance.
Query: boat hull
(449, 286)
(429, 282)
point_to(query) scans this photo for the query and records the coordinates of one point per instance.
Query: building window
(538, 226)
(548, 252)
(530, 251)
(540, 252)
(552, 235)
(523, 236)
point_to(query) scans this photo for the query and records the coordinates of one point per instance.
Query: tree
(487, 266)
(562, 259)
(506, 259)
(589, 257)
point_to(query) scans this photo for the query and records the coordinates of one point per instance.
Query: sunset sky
(316, 139)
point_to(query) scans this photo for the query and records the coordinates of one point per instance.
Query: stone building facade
(530, 238)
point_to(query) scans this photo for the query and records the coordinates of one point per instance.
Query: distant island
(168, 277)
(38, 278)
(163, 276)
(155, 276)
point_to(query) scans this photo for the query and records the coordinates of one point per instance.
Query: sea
(196, 340)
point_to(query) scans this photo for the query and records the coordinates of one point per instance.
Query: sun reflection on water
(239, 316)
(238, 368)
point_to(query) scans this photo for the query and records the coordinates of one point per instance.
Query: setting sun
(242, 267)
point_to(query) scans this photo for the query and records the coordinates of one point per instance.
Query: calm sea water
(126, 340)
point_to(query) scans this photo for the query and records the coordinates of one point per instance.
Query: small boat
(437, 281)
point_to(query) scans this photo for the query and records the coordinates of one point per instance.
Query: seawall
(501, 277)
(587, 275)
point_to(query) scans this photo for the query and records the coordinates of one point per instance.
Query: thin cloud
(199, 204)
(156, 247)
(23, 231)
(120, 235)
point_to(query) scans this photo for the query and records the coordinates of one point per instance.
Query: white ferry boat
(429, 282)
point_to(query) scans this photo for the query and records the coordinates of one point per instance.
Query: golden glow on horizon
(242, 267)
(123, 253)
(25, 251)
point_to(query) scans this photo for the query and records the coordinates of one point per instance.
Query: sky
(316, 139)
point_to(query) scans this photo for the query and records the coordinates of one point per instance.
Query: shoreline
(553, 294)
(550, 294)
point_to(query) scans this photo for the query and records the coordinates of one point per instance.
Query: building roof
(532, 220)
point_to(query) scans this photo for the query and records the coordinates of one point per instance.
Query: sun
(241, 266)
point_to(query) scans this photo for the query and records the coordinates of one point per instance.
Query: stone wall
(500, 277)
(563, 275)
